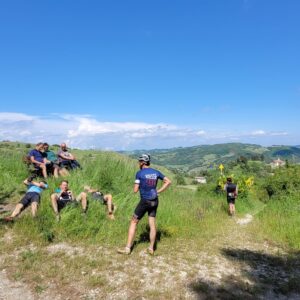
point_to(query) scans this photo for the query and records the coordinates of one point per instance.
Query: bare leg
(17, 210)
(34, 207)
(55, 172)
(131, 232)
(108, 199)
(54, 203)
(152, 226)
(231, 209)
(44, 170)
(63, 172)
(83, 199)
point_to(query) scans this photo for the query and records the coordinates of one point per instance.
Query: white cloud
(258, 132)
(270, 133)
(281, 133)
(14, 117)
(85, 131)
(200, 132)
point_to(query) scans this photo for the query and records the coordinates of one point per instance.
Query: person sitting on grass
(105, 199)
(64, 196)
(38, 160)
(32, 197)
(52, 157)
(66, 159)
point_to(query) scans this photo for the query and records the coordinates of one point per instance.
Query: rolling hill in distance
(197, 158)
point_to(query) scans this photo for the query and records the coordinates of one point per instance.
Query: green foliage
(196, 159)
(284, 181)
(182, 213)
(180, 179)
(280, 221)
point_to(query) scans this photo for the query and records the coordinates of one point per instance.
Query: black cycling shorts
(99, 197)
(144, 206)
(230, 200)
(29, 198)
(62, 203)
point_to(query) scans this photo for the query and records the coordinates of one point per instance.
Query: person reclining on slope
(52, 157)
(32, 197)
(105, 199)
(66, 159)
(64, 196)
(38, 160)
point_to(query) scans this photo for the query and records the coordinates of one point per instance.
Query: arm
(88, 189)
(39, 184)
(71, 195)
(35, 161)
(166, 184)
(71, 157)
(46, 161)
(26, 182)
(136, 187)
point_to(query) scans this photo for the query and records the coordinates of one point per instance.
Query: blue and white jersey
(36, 189)
(147, 180)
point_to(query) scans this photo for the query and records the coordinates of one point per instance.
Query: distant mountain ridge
(204, 156)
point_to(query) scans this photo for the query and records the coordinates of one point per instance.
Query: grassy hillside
(114, 173)
(197, 158)
(111, 172)
(193, 231)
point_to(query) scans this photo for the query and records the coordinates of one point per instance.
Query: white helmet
(145, 158)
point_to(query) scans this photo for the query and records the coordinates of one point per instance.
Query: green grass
(188, 221)
(280, 221)
(182, 212)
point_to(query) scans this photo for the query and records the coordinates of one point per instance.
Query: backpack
(231, 190)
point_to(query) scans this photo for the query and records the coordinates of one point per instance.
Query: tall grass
(182, 213)
(280, 221)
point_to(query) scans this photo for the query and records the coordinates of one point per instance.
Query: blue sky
(150, 74)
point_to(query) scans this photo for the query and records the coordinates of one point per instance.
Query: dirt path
(232, 266)
(10, 290)
(241, 267)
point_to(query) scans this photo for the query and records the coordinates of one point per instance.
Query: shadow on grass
(265, 276)
(144, 236)
(4, 198)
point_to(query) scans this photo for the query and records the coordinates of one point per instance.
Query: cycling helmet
(145, 158)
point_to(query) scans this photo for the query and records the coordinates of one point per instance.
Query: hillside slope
(201, 252)
(205, 156)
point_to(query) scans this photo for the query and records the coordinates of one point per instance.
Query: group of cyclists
(146, 180)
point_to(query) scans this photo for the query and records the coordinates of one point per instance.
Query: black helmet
(145, 158)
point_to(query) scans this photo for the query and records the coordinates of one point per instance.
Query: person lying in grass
(32, 197)
(64, 196)
(105, 199)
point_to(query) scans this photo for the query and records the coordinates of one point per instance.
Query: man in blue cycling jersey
(145, 182)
